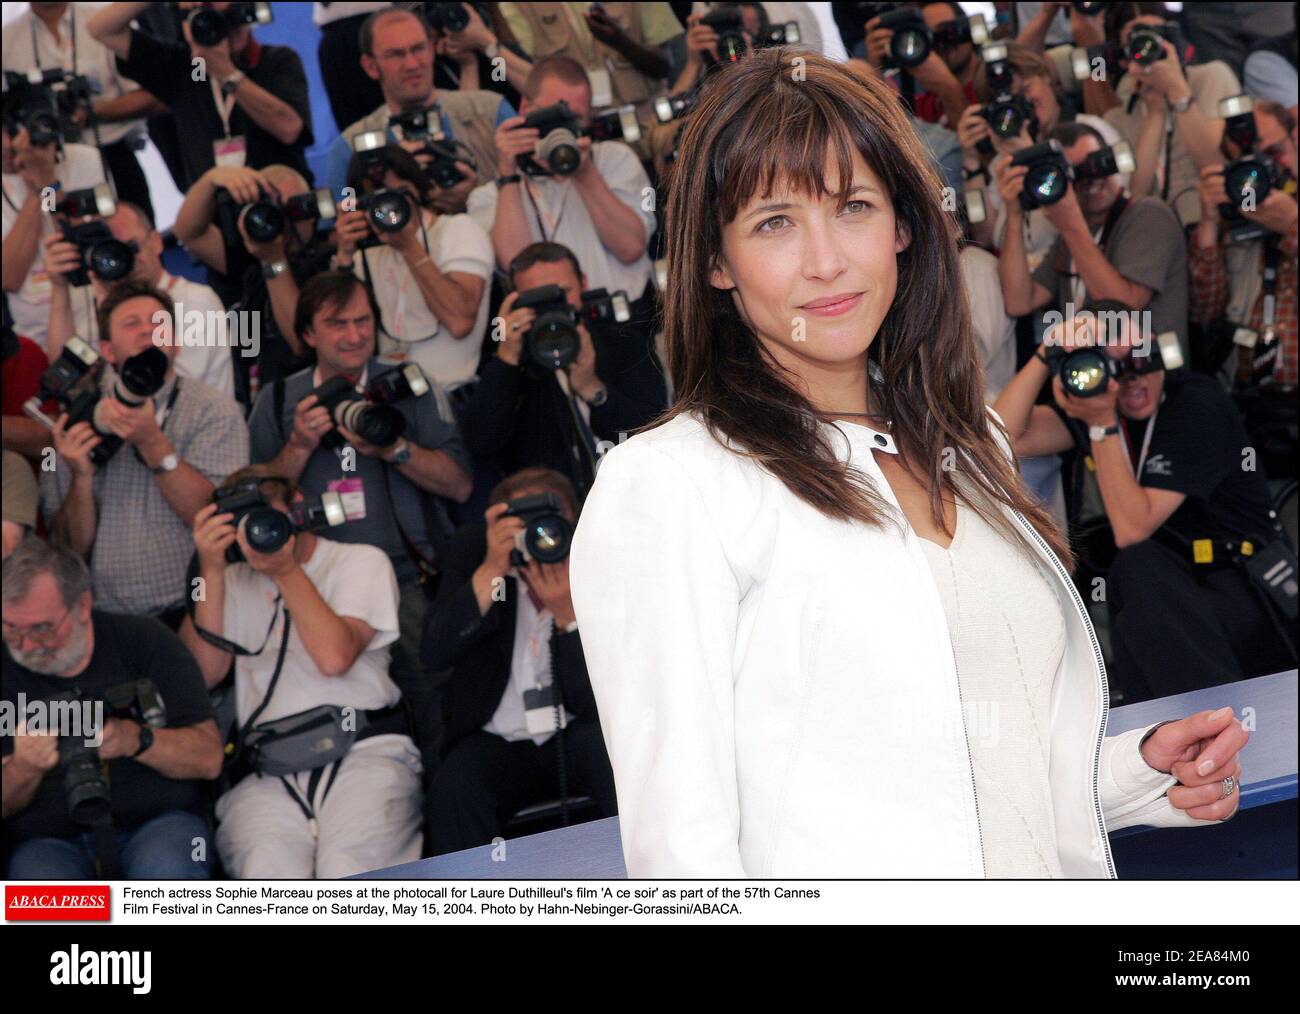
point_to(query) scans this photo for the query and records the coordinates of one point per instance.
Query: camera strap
(72, 34)
(370, 284)
(426, 566)
(542, 224)
(1264, 354)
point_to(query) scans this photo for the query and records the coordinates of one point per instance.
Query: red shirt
(21, 376)
(930, 109)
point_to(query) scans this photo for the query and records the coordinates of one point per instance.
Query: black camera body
(1145, 43)
(267, 528)
(1109, 161)
(1252, 176)
(1048, 177)
(557, 149)
(726, 21)
(616, 124)
(108, 257)
(371, 414)
(86, 785)
(553, 342)
(424, 125)
(446, 17)
(46, 103)
(675, 107)
(388, 211)
(209, 26)
(1007, 113)
(1088, 371)
(267, 219)
(912, 41)
(547, 535)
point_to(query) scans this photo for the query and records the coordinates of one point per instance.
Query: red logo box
(51, 902)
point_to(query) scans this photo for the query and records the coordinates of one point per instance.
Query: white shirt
(87, 57)
(206, 356)
(777, 689)
(355, 580)
(79, 168)
(1008, 635)
(410, 330)
(530, 669)
(994, 330)
(556, 212)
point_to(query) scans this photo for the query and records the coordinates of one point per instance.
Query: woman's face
(814, 280)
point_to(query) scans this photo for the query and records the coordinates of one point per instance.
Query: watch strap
(146, 741)
(274, 269)
(505, 181)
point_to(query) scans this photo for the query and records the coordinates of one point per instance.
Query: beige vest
(553, 32)
(473, 116)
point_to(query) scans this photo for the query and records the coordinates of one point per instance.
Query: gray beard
(60, 661)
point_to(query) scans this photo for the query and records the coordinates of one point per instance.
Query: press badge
(602, 88)
(541, 712)
(353, 494)
(230, 151)
(1245, 337)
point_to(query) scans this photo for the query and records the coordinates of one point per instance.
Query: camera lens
(111, 259)
(1047, 182)
(553, 340)
(266, 529)
(559, 150)
(1005, 119)
(1145, 48)
(390, 211)
(548, 538)
(909, 48)
(207, 26)
(264, 221)
(380, 425)
(1247, 182)
(1084, 373)
(143, 374)
(84, 785)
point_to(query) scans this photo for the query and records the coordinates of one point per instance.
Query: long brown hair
(782, 113)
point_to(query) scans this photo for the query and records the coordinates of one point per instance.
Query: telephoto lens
(138, 379)
(552, 342)
(382, 425)
(911, 42)
(547, 534)
(558, 148)
(1048, 177)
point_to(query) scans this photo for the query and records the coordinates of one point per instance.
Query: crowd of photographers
(292, 544)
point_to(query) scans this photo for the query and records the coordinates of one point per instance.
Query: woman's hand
(1200, 751)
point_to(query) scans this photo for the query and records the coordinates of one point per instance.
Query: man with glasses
(397, 51)
(1167, 452)
(57, 645)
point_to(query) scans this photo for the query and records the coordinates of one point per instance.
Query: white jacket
(777, 690)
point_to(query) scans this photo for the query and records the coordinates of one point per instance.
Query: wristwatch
(1099, 433)
(146, 740)
(403, 453)
(229, 85)
(599, 398)
(274, 269)
(169, 463)
(505, 181)
(1183, 104)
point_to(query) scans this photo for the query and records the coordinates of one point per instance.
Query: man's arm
(1020, 293)
(510, 230)
(209, 613)
(112, 26)
(437, 472)
(1135, 511)
(191, 753)
(1031, 431)
(134, 105)
(1100, 277)
(75, 521)
(275, 116)
(1034, 32)
(452, 297)
(621, 230)
(194, 227)
(334, 642)
(19, 247)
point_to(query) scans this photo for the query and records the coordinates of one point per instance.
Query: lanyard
(543, 220)
(225, 104)
(1146, 442)
(36, 50)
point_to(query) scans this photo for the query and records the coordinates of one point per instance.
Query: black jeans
(1174, 630)
(485, 780)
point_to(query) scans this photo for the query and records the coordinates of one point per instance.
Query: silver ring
(1229, 786)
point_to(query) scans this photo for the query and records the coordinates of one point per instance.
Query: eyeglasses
(41, 633)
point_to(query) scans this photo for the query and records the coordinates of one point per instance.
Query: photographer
(29, 169)
(1233, 282)
(258, 277)
(475, 57)
(397, 48)
(393, 495)
(72, 310)
(325, 613)
(1110, 246)
(516, 660)
(20, 498)
(948, 73)
(131, 516)
(50, 35)
(249, 107)
(144, 820)
(1167, 450)
(1169, 113)
(430, 277)
(534, 416)
(599, 211)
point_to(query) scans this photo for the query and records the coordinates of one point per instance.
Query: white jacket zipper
(1105, 687)
(970, 764)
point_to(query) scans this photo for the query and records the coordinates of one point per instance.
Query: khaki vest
(473, 116)
(553, 33)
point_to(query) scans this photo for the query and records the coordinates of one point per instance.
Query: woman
(765, 581)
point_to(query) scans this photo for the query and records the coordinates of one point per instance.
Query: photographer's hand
(311, 421)
(582, 371)
(245, 185)
(213, 534)
(1099, 410)
(500, 540)
(350, 229)
(121, 739)
(277, 565)
(36, 162)
(515, 324)
(61, 259)
(452, 200)
(74, 444)
(512, 140)
(266, 253)
(138, 425)
(550, 583)
(35, 751)
(1276, 213)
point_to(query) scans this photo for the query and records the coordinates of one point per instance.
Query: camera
(108, 257)
(786, 34)
(61, 379)
(46, 103)
(388, 211)
(618, 124)
(558, 148)
(370, 414)
(547, 534)
(1090, 9)
(725, 20)
(1146, 43)
(1048, 177)
(266, 528)
(552, 342)
(911, 42)
(1118, 158)
(1007, 113)
(447, 17)
(209, 26)
(265, 219)
(674, 107)
(951, 34)
(1088, 372)
(425, 125)
(1252, 176)
(86, 786)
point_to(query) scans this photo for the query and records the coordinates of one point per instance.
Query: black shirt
(126, 648)
(1199, 447)
(164, 68)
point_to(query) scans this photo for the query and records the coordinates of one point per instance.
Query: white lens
(1171, 353)
(975, 207)
(332, 504)
(1124, 161)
